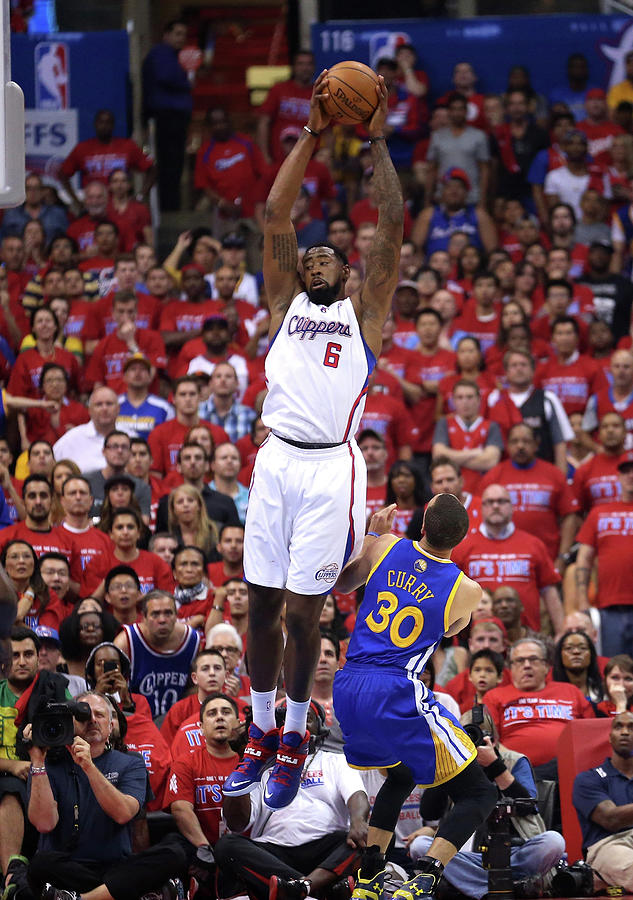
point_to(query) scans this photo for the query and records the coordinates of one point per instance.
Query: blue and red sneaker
(285, 778)
(260, 749)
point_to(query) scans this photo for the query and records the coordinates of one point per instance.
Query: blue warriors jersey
(405, 610)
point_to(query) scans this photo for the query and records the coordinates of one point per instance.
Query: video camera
(497, 844)
(53, 723)
(474, 730)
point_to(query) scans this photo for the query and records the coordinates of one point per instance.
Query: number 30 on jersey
(402, 633)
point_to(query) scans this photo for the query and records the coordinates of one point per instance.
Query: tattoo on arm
(384, 255)
(285, 252)
(386, 187)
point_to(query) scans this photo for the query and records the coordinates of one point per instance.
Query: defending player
(414, 595)
(307, 502)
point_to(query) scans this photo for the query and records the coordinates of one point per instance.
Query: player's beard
(327, 295)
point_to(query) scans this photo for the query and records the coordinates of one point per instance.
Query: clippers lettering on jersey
(409, 583)
(303, 326)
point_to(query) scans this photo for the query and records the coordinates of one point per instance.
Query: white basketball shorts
(306, 515)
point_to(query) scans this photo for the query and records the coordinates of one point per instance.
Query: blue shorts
(388, 718)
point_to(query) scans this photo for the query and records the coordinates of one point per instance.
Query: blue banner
(491, 44)
(74, 71)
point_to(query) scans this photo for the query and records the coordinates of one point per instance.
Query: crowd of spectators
(131, 415)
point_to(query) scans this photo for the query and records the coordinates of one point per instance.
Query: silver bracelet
(37, 770)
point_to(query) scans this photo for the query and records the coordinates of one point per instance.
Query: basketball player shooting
(306, 513)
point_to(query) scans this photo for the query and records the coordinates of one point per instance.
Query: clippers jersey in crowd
(160, 677)
(405, 609)
(317, 371)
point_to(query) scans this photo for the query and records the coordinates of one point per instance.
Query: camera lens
(53, 729)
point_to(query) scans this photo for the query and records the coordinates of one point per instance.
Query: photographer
(82, 800)
(539, 851)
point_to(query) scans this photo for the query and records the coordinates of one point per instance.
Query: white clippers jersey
(317, 370)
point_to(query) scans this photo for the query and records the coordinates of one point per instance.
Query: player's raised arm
(381, 275)
(280, 239)
(377, 541)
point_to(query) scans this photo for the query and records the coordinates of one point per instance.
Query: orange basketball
(352, 89)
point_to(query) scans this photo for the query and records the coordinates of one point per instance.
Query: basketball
(352, 89)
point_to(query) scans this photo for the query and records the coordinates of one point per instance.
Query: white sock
(263, 703)
(296, 715)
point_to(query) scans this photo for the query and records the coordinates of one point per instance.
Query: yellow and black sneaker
(422, 886)
(370, 880)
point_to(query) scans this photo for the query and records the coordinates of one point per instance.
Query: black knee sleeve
(399, 784)
(473, 799)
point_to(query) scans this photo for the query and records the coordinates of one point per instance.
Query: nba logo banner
(52, 76)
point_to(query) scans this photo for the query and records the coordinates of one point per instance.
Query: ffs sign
(50, 135)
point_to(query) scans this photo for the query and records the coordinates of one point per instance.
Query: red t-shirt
(405, 334)
(434, 368)
(474, 111)
(376, 498)
(89, 547)
(600, 138)
(49, 541)
(608, 529)
(399, 359)
(40, 428)
(541, 327)
(96, 159)
(484, 329)
(147, 313)
(392, 421)
(82, 230)
(477, 437)
(596, 481)
(572, 382)
(52, 616)
(166, 440)
(401, 521)
(189, 734)
(153, 572)
(232, 169)
(520, 560)
(144, 737)
(287, 103)
(131, 221)
(218, 574)
(95, 264)
(540, 497)
(83, 320)
(505, 413)
(531, 722)
(463, 691)
(25, 376)
(197, 777)
(109, 356)
(176, 715)
(541, 351)
(484, 382)
(182, 315)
